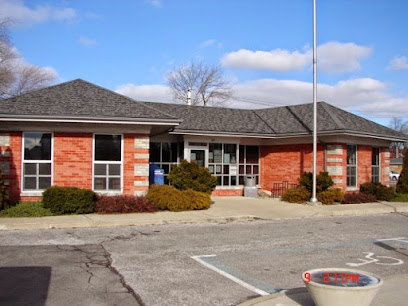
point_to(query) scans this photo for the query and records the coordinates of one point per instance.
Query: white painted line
(399, 238)
(229, 276)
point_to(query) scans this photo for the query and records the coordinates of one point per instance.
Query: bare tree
(16, 76)
(399, 125)
(207, 84)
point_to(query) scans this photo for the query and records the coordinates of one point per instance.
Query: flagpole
(314, 199)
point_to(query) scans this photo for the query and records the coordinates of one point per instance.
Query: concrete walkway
(224, 209)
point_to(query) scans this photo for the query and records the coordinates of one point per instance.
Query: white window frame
(379, 164)
(121, 162)
(356, 166)
(35, 192)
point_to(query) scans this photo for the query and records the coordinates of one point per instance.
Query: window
(37, 161)
(351, 165)
(107, 163)
(248, 163)
(165, 155)
(375, 165)
(222, 162)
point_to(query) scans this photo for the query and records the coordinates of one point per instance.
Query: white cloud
(22, 14)
(155, 3)
(277, 60)
(149, 93)
(368, 96)
(87, 42)
(336, 57)
(398, 63)
(332, 57)
(207, 43)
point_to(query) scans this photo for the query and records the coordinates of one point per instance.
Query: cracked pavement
(61, 275)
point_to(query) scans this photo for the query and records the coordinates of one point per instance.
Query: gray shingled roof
(273, 122)
(79, 99)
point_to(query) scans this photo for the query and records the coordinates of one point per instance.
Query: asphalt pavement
(224, 209)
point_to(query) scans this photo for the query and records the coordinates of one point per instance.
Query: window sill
(108, 193)
(352, 188)
(232, 187)
(34, 193)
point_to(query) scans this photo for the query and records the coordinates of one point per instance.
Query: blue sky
(263, 45)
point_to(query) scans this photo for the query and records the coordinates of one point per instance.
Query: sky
(264, 47)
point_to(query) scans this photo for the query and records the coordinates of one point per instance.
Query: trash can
(250, 189)
(156, 175)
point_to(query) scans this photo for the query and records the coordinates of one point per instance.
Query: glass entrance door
(198, 156)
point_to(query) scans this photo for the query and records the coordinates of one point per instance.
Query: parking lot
(203, 264)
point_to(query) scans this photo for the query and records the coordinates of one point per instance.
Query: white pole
(314, 199)
(189, 96)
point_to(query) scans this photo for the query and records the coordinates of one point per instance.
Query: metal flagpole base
(314, 202)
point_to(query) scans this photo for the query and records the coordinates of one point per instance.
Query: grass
(400, 197)
(26, 209)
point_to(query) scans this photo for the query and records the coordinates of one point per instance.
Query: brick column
(385, 166)
(10, 163)
(336, 162)
(136, 178)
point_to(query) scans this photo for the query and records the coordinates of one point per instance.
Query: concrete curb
(223, 211)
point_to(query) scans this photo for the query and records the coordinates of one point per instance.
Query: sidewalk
(392, 293)
(224, 209)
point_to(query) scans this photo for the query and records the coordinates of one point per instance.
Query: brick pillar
(10, 163)
(336, 164)
(385, 166)
(137, 161)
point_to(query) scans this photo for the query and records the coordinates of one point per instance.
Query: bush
(323, 181)
(26, 209)
(123, 204)
(358, 197)
(198, 200)
(330, 196)
(69, 200)
(191, 176)
(165, 197)
(400, 197)
(296, 195)
(381, 192)
(402, 185)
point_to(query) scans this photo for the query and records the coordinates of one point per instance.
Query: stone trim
(334, 160)
(334, 150)
(142, 142)
(4, 140)
(335, 170)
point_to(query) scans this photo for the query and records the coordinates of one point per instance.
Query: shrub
(198, 200)
(169, 198)
(402, 185)
(323, 181)
(191, 176)
(69, 200)
(296, 195)
(381, 192)
(26, 209)
(358, 197)
(330, 196)
(400, 197)
(123, 204)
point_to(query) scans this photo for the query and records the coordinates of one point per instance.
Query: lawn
(26, 209)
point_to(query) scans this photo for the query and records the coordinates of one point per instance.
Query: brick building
(79, 134)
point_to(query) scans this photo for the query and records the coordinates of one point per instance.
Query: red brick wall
(364, 160)
(227, 192)
(73, 159)
(287, 163)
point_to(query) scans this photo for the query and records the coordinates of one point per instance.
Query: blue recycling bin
(156, 175)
